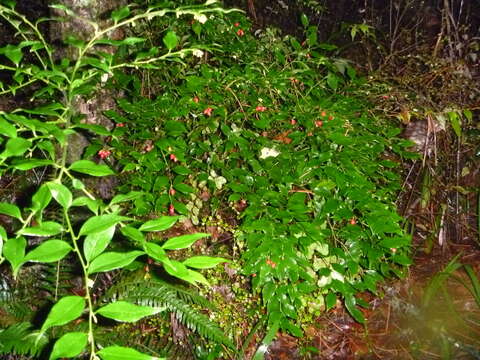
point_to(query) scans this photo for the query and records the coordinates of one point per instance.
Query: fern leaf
(18, 339)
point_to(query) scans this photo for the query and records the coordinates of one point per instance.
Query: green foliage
(265, 128)
(19, 339)
(39, 138)
(280, 135)
(157, 293)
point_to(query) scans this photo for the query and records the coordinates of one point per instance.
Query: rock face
(91, 109)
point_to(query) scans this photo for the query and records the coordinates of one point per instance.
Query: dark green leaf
(184, 188)
(170, 40)
(350, 304)
(120, 14)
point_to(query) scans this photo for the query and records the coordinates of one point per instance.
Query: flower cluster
(104, 154)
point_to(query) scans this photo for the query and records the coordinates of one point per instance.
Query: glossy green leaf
(13, 53)
(96, 129)
(133, 234)
(3, 238)
(65, 310)
(304, 20)
(61, 194)
(92, 205)
(90, 168)
(204, 262)
(15, 147)
(132, 195)
(69, 345)
(160, 224)
(177, 269)
(49, 251)
(47, 228)
(101, 223)
(127, 312)
(124, 353)
(330, 300)
(120, 14)
(181, 170)
(350, 304)
(455, 121)
(195, 277)
(395, 242)
(170, 40)
(183, 241)
(184, 188)
(31, 164)
(113, 260)
(14, 252)
(41, 198)
(402, 260)
(97, 242)
(156, 252)
(7, 129)
(10, 210)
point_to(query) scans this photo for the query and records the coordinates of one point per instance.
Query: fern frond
(18, 339)
(158, 293)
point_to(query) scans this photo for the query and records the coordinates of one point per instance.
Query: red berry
(330, 117)
(318, 123)
(240, 32)
(208, 111)
(237, 24)
(172, 191)
(173, 158)
(323, 114)
(260, 108)
(353, 221)
(171, 210)
(196, 99)
(104, 154)
(120, 125)
(293, 122)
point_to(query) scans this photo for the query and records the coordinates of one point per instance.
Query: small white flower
(219, 180)
(266, 153)
(337, 276)
(198, 53)
(201, 18)
(104, 78)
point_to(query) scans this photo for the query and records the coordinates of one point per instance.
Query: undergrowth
(265, 132)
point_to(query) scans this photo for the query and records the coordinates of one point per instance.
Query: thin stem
(91, 315)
